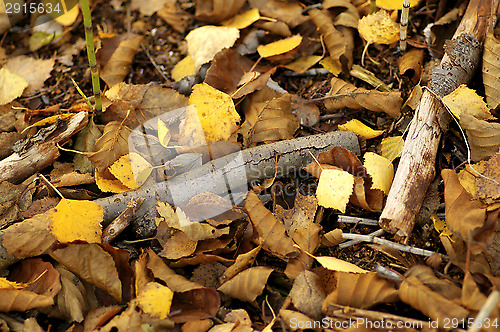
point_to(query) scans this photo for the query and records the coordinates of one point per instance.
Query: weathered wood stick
(417, 164)
(252, 164)
(40, 150)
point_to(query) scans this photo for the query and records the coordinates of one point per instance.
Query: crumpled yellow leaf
(359, 128)
(380, 169)
(465, 100)
(106, 182)
(279, 47)
(155, 299)
(244, 19)
(335, 264)
(216, 112)
(334, 189)
(77, 220)
(11, 86)
(392, 147)
(394, 4)
(122, 170)
(183, 68)
(379, 28)
(205, 42)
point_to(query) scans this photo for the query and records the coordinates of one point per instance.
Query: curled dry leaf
(289, 12)
(309, 240)
(243, 261)
(362, 291)
(244, 19)
(248, 284)
(379, 28)
(116, 56)
(464, 100)
(488, 186)
(174, 15)
(491, 70)
(413, 292)
(91, 263)
(484, 137)
(214, 11)
(444, 287)
(272, 233)
(110, 146)
(34, 71)
(334, 40)
(410, 64)
(268, 118)
(344, 94)
(464, 216)
(359, 128)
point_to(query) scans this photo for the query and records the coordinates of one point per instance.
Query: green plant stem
(94, 71)
(373, 6)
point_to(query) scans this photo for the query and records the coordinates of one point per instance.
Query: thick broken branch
(416, 167)
(252, 164)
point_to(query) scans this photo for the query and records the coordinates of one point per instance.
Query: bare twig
(356, 241)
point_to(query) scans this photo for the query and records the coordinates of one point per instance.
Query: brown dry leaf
(148, 8)
(116, 56)
(248, 284)
(307, 294)
(444, 287)
(74, 220)
(491, 70)
(309, 240)
(484, 137)
(306, 113)
(63, 175)
(410, 64)
(487, 190)
(363, 291)
(242, 262)
(464, 216)
(474, 299)
(413, 292)
(75, 299)
(144, 101)
(31, 325)
(110, 146)
(205, 42)
(194, 300)
(464, 100)
(213, 11)
(30, 237)
(14, 199)
(85, 140)
(289, 12)
(34, 71)
(295, 318)
(272, 233)
(359, 98)
(268, 118)
(92, 264)
(11, 86)
(226, 70)
(334, 40)
(379, 28)
(175, 243)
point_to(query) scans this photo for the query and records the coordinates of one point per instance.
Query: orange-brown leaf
(247, 285)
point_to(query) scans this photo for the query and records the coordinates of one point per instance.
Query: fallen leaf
(244, 19)
(333, 38)
(11, 86)
(155, 299)
(77, 220)
(110, 146)
(217, 11)
(487, 186)
(379, 28)
(380, 169)
(359, 128)
(392, 147)
(465, 100)
(34, 71)
(183, 68)
(484, 137)
(491, 70)
(334, 189)
(307, 294)
(395, 4)
(203, 43)
(248, 284)
(279, 47)
(148, 8)
(303, 63)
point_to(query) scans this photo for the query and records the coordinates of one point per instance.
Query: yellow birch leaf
(122, 171)
(464, 100)
(140, 168)
(183, 68)
(392, 147)
(332, 65)
(11, 86)
(360, 129)
(335, 264)
(394, 4)
(334, 189)
(205, 42)
(155, 300)
(67, 13)
(243, 20)
(163, 133)
(279, 47)
(379, 28)
(216, 112)
(380, 169)
(77, 220)
(109, 185)
(304, 63)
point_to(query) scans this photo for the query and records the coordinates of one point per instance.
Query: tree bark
(416, 168)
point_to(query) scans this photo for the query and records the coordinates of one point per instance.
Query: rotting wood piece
(40, 150)
(416, 168)
(257, 163)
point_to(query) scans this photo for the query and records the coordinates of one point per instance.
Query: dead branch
(416, 168)
(256, 164)
(41, 150)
